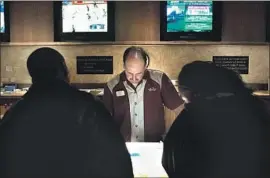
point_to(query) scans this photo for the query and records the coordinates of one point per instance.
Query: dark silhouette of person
(224, 130)
(56, 130)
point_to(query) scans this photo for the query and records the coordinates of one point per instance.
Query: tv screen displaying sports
(189, 16)
(2, 17)
(84, 16)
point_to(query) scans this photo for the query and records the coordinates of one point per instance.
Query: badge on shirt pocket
(120, 93)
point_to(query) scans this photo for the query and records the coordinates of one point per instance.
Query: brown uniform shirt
(139, 112)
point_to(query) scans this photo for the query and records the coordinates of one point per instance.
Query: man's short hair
(135, 50)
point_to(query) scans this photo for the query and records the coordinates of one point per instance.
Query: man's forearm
(179, 109)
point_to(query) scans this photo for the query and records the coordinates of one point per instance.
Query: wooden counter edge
(258, 93)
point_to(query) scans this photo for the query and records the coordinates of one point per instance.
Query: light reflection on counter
(146, 159)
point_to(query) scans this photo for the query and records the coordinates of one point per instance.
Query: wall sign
(94, 64)
(239, 64)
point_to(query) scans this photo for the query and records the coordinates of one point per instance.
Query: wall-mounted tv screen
(84, 20)
(267, 18)
(190, 20)
(2, 17)
(4, 22)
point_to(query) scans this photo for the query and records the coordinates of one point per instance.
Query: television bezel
(214, 35)
(5, 37)
(267, 19)
(59, 36)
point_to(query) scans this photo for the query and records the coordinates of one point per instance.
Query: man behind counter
(136, 98)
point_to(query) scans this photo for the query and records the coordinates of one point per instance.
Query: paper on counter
(146, 159)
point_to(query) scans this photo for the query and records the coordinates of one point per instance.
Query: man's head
(201, 79)
(136, 61)
(46, 64)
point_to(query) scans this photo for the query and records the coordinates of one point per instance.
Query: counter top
(99, 92)
(19, 93)
(146, 159)
(262, 93)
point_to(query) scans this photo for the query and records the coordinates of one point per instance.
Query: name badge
(120, 93)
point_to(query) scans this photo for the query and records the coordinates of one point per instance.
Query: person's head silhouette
(46, 64)
(203, 79)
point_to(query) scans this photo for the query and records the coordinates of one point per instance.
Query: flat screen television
(267, 18)
(4, 22)
(84, 20)
(190, 20)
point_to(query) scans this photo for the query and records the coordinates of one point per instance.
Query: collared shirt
(139, 112)
(135, 97)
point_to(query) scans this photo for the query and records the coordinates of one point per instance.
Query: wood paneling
(32, 21)
(244, 21)
(167, 58)
(137, 21)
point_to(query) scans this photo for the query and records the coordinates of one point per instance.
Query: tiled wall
(168, 58)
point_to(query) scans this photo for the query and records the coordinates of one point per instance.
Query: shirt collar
(123, 76)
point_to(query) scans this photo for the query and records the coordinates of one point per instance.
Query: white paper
(146, 159)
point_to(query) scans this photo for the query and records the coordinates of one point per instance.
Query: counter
(6, 98)
(146, 159)
(265, 94)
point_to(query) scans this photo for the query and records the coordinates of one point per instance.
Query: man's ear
(68, 78)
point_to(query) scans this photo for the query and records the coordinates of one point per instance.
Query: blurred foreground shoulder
(110, 153)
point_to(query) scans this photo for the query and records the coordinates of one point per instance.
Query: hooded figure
(56, 130)
(223, 132)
